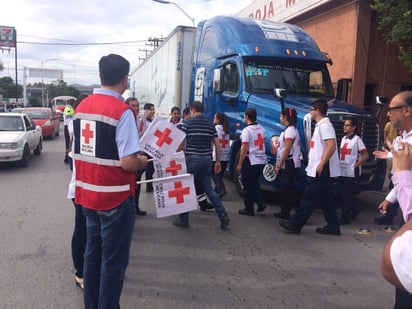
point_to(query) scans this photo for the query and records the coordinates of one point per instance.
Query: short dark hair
(320, 105)
(197, 106)
(113, 68)
(251, 114)
(406, 96)
(148, 106)
(175, 108)
(186, 111)
(130, 99)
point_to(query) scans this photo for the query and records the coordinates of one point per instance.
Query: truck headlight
(274, 144)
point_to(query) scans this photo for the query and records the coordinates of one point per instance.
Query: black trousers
(250, 179)
(318, 192)
(287, 187)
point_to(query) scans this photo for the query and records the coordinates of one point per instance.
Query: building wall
(347, 30)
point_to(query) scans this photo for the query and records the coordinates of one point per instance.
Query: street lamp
(42, 79)
(170, 2)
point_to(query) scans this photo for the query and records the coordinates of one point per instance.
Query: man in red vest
(106, 152)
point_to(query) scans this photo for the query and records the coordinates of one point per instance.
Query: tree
(8, 88)
(395, 20)
(60, 87)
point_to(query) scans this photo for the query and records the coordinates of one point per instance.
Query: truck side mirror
(217, 81)
(381, 101)
(279, 93)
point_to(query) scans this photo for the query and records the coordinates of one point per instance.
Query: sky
(76, 34)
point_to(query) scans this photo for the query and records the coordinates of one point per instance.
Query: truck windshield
(296, 77)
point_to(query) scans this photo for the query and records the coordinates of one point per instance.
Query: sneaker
(79, 282)
(224, 222)
(261, 207)
(205, 205)
(327, 230)
(179, 223)
(282, 215)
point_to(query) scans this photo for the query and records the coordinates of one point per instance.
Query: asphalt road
(253, 264)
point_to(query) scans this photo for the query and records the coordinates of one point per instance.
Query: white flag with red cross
(170, 166)
(174, 195)
(161, 139)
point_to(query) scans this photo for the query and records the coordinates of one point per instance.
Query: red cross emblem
(87, 133)
(312, 143)
(345, 151)
(179, 192)
(259, 142)
(173, 168)
(223, 142)
(163, 137)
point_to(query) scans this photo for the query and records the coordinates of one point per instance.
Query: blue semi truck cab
(238, 62)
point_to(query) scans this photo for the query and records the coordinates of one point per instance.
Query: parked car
(45, 117)
(19, 137)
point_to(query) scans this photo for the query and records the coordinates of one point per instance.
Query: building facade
(347, 31)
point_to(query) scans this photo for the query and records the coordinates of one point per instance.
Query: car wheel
(24, 162)
(237, 178)
(38, 149)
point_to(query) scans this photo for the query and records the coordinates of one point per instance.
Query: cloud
(94, 21)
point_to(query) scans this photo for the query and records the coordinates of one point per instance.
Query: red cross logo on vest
(163, 137)
(223, 142)
(345, 151)
(312, 143)
(259, 141)
(87, 133)
(173, 168)
(179, 192)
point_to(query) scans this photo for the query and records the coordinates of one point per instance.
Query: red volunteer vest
(101, 184)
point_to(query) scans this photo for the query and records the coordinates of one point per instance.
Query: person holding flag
(200, 135)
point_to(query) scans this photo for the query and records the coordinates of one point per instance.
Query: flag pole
(164, 178)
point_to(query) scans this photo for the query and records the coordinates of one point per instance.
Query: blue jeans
(109, 236)
(200, 167)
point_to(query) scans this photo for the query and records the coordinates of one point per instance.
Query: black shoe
(344, 221)
(246, 212)
(328, 230)
(287, 225)
(282, 215)
(179, 223)
(384, 220)
(224, 222)
(221, 194)
(205, 205)
(66, 160)
(261, 207)
(140, 212)
(149, 187)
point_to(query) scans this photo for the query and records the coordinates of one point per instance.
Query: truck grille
(368, 130)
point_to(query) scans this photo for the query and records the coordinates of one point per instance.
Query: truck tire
(24, 162)
(38, 149)
(237, 178)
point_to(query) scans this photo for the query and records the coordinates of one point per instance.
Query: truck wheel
(38, 149)
(237, 178)
(24, 162)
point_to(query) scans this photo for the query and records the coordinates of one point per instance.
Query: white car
(19, 137)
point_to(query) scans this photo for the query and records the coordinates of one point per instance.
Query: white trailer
(164, 78)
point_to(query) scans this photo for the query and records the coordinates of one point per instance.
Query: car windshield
(35, 114)
(296, 77)
(11, 123)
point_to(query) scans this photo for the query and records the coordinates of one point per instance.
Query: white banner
(174, 195)
(45, 73)
(172, 166)
(161, 139)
